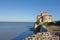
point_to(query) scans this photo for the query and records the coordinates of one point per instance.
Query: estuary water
(15, 30)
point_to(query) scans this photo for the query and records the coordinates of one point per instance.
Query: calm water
(15, 30)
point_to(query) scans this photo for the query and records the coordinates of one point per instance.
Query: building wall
(44, 17)
(47, 19)
(39, 18)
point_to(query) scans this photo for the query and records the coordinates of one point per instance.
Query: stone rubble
(43, 36)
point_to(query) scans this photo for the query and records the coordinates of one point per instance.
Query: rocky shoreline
(43, 36)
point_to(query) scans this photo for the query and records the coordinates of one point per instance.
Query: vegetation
(57, 23)
(51, 28)
(52, 23)
(45, 23)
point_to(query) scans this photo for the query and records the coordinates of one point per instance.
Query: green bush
(57, 23)
(45, 23)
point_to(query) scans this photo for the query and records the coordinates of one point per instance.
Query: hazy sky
(27, 10)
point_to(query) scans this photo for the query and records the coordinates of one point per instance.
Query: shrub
(45, 23)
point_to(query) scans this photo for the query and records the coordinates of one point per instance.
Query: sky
(27, 10)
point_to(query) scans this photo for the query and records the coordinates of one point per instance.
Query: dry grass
(51, 28)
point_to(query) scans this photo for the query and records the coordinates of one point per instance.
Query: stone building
(44, 17)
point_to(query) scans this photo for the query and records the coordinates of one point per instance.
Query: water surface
(15, 30)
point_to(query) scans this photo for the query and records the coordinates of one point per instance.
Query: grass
(51, 28)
